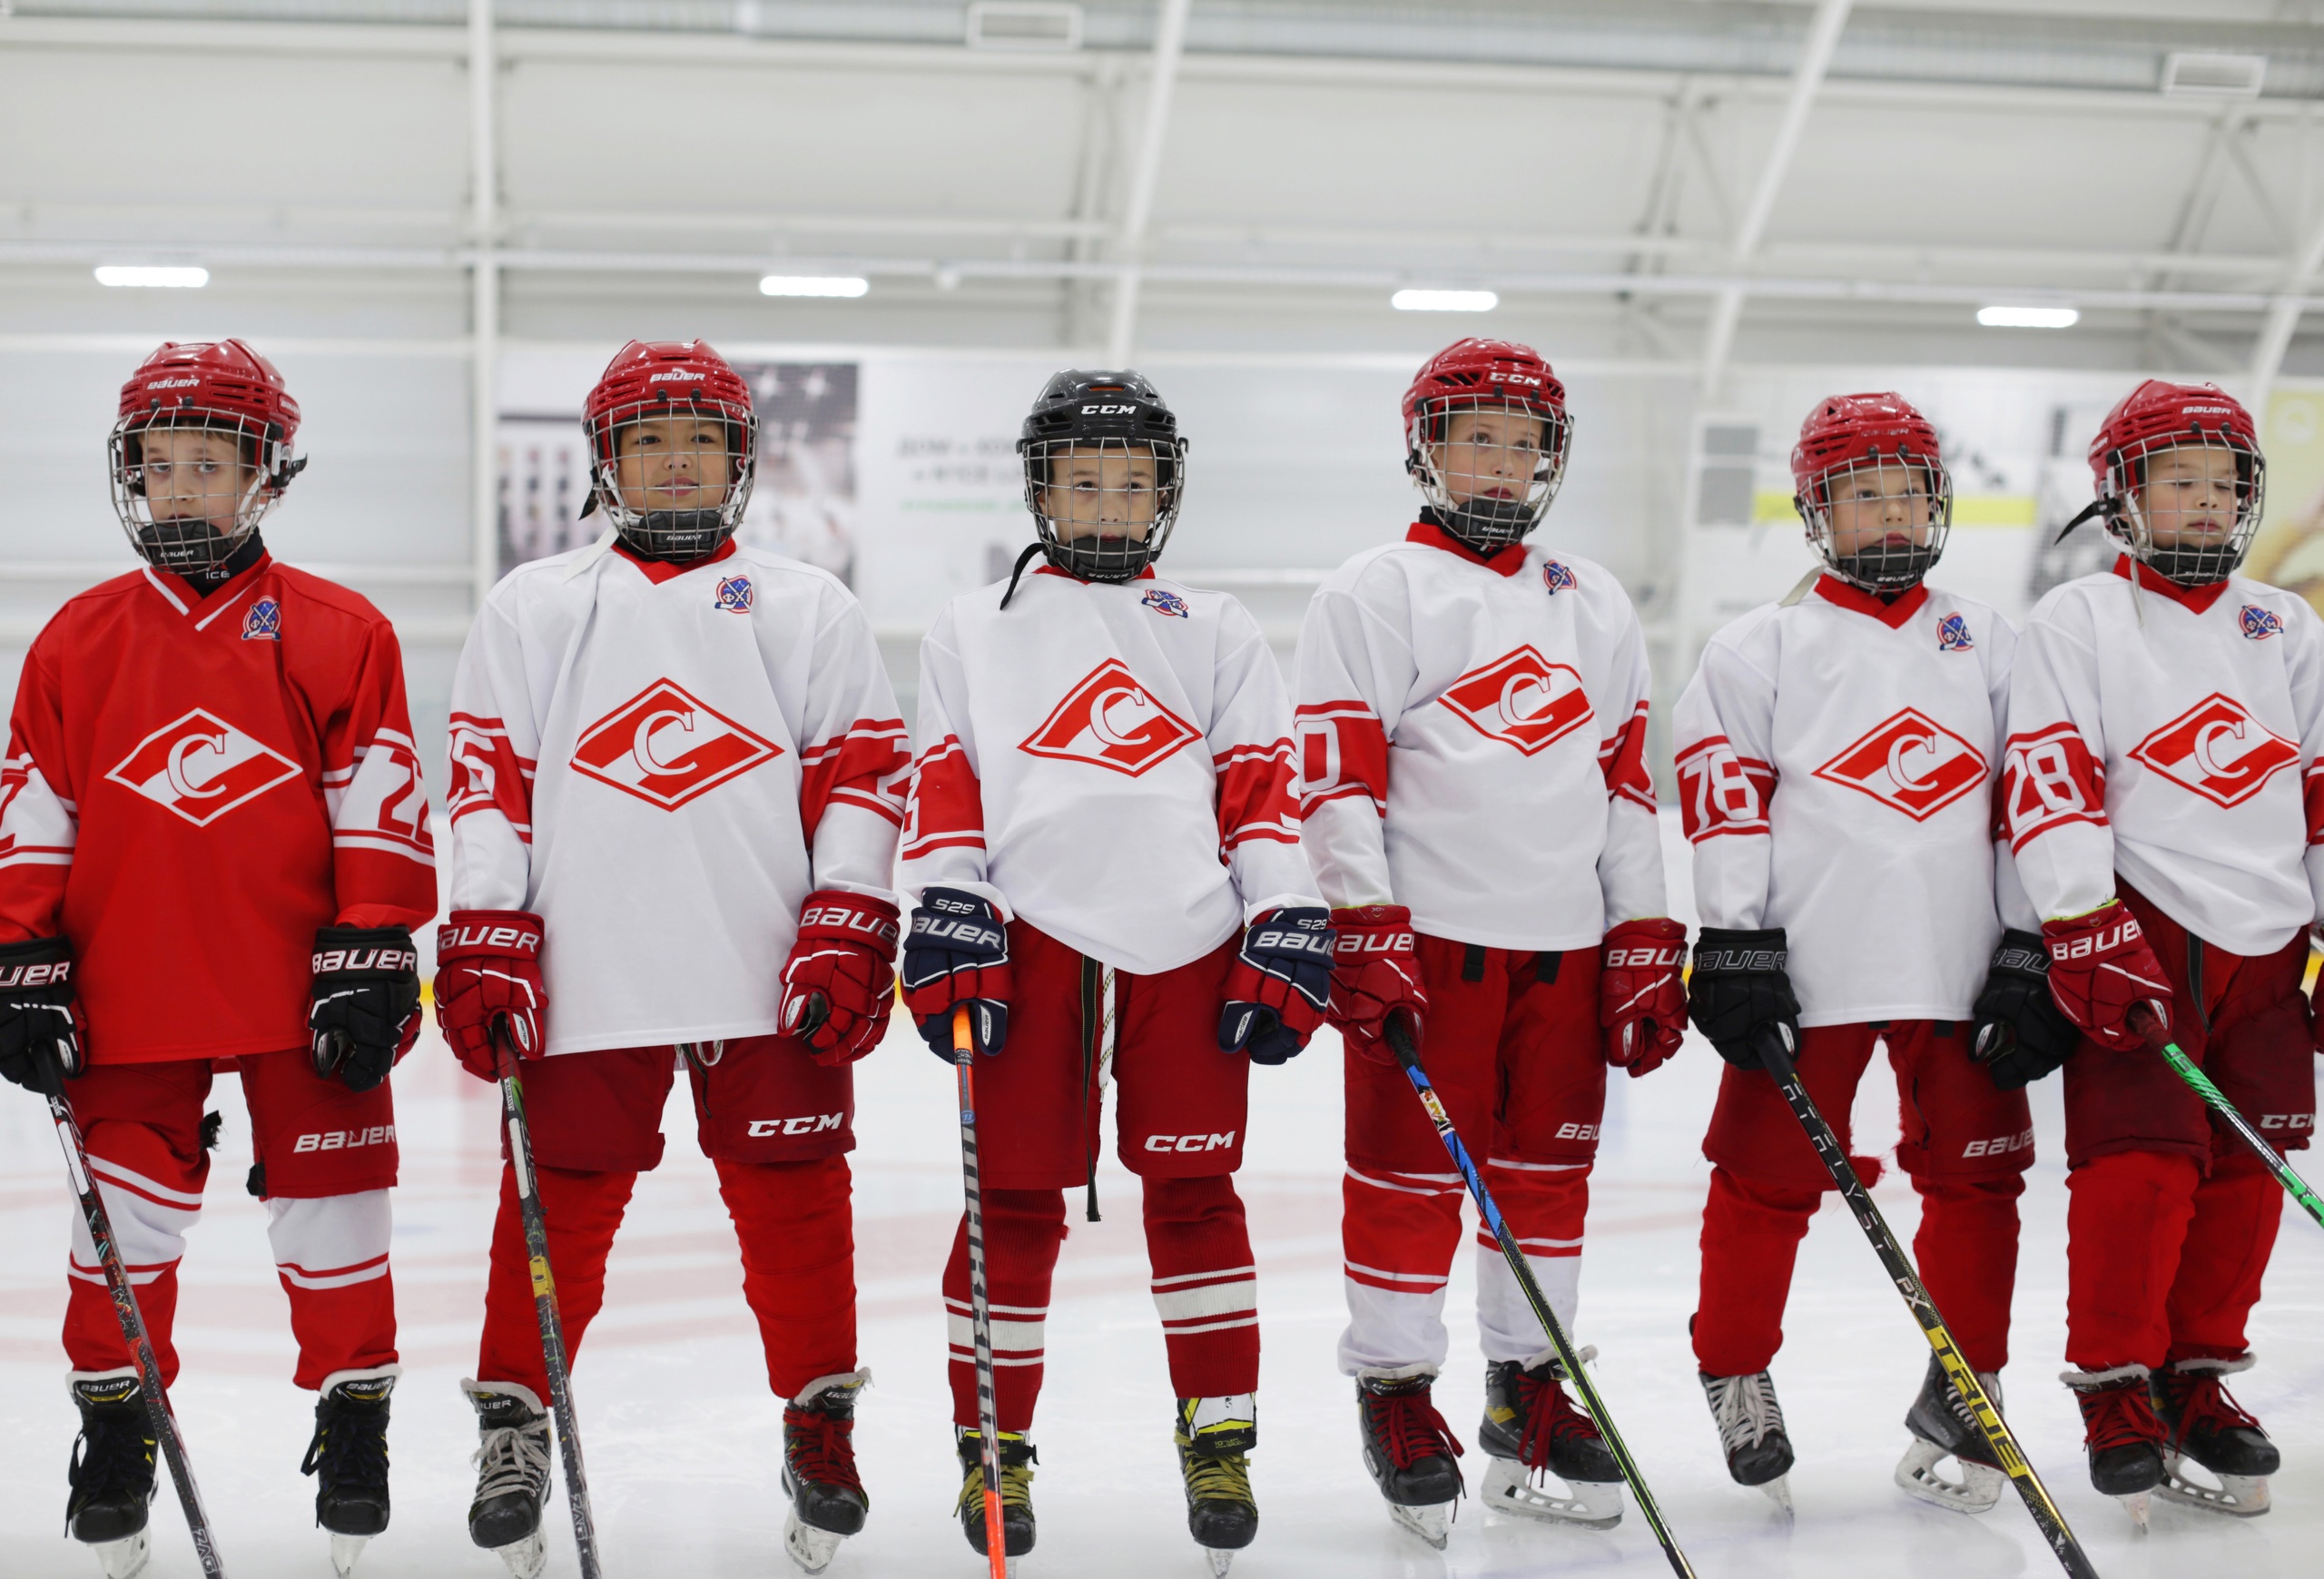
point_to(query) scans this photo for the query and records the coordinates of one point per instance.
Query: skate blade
(346, 1551)
(1593, 1504)
(1977, 1490)
(1220, 1561)
(124, 1558)
(1779, 1491)
(1431, 1522)
(2135, 1505)
(526, 1558)
(811, 1549)
(2240, 1496)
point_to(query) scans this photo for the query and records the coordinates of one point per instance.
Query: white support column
(2283, 317)
(1169, 43)
(484, 328)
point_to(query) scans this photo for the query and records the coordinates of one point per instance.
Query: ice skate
(1532, 1431)
(112, 1474)
(1214, 1437)
(2124, 1438)
(827, 1498)
(1751, 1432)
(348, 1458)
(1943, 1427)
(2204, 1425)
(512, 1475)
(1017, 1457)
(1410, 1451)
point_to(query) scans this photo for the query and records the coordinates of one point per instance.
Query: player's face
(194, 474)
(1878, 506)
(1490, 454)
(1102, 492)
(673, 463)
(2189, 498)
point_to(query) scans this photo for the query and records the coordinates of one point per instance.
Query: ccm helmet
(648, 386)
(186, 504)
(2157, 418)
(1105, 468)
(1489, 493)
(1868, 447)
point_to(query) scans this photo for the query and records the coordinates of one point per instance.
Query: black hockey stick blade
(2142, 1020)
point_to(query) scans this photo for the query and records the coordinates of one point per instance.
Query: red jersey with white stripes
(1110, 762)
(1473, 743)
(661, 762)
(2173, 737)
(193, 787)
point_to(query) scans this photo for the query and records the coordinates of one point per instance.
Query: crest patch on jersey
(1110, 720)
(2260, 624)
(201, 767)
(666, 747)
(264, 621)
(1521, 699)
(1910, 761)
(734, 594)
(2217, 749)
(1168, 603)
(1953, 634)
(1556, 578)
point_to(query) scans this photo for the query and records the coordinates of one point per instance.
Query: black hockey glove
(1740, 988)
(40, 1025)
(957, 954)
(1279, 985)
(2020, 1032)
(363, 1010)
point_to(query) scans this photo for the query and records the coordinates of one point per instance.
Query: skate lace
(1549, 1418)
(1410, 1426)
(1016, 1485)
(2201, 1403)
(1227, 1480)
(1747, 1411)
(115, 1456)
(512, 1458)
(821, 1449)
(349, 1451)
(2118, 1416)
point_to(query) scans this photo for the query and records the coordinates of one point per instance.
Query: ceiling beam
(1161, 82)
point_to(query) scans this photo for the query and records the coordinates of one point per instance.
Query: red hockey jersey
(192, 787)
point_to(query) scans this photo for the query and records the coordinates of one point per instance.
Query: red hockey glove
(1375, 970)
(1277, 988)
(363, 1007)
(489, 976)
(839, 982)
(2100, 968)
(1642, 994)
(957, 952)
(40, 1024)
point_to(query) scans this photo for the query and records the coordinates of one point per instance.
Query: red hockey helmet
(1866, 446)
(2156, 417)
(1494, 492)
(184, 510)
(665, 380)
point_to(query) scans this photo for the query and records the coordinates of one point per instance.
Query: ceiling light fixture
(1444, 301)
(814, 285)
(2028, 317)
(152, 277)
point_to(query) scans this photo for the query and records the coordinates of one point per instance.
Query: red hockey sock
(1752, 1234)
(1967, 1251)
(93, 1340)
(796, 1226)
(583, 1209)
(1544, 1205)
(1206, 1284)
(2237, 1211)
(2125, 1223)
(332, 1253)
(150, 1175)
(1023, 1230)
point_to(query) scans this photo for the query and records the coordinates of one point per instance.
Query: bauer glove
(363, 1009)
(2101, 969)
(839, 983)
(957, 952)
(2019, 1033)
(1279, 984)
(1741, 989)
(488, 979)
(40, 1023)
(1642, 993)
(1375, 972)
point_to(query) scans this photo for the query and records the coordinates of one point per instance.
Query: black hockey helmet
(1103, 450)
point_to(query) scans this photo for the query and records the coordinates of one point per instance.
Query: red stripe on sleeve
(1621, 757)
(1722, 793)
(488, 775)
(869, 766)
(1342, 751)
(2049, 779)
(947, 807)
(1258, 796)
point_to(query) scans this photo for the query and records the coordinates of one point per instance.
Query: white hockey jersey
(2173, 740)
(663, 762)
(1110, 762)
(1473, 743)
(1838, 758)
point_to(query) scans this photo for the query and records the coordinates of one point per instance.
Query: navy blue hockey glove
(2021, 1034)
(1739, 989)
(363, 1010)
(1279, 985)
(956, 952)
(40, 1025)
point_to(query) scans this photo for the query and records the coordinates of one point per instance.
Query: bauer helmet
(1489, 493)
(2152, 420)
(182, 510)
(648, 386)
(1866, 448)
(1083, 446)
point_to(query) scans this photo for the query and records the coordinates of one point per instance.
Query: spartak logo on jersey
(201, 767)
(1113, 721)
(1909, 762)
(1522, 699)
(665, 747)
(2217, 749)
(2260, 624)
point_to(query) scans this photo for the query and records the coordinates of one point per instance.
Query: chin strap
(2095, 508)
(1023, 559)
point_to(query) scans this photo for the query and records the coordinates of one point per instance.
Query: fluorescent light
(814, 285)
(1444, 301)
(140, 274)
(2028, 317)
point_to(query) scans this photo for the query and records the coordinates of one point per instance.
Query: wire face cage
(1103, 506)
(2187, 503)
(1489, 466)
(192, 483)
(673, 474)
(1880, 521)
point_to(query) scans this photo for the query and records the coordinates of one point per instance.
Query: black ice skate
(1410, 1451)
(2124, 1438)
(1751, 1432)
(1943, 1427)
(1214, 1437)
(348, 1458)
(2205, 1425)
(1017, 1460)
(1532, 1430)
(111, 1473)
(827, 1498)
(512, 1475)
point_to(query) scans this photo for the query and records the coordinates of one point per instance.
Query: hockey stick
(560, 1375)
(1775, 1053)
(2142, 1020)
(964, 1054)
(1401, 1043)
(133, 1327)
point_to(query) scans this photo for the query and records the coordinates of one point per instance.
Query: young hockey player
(1837, 757)
(1104, 843)
(675, 760)
(212, 829)
(2165, 721)
(1447, 684)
